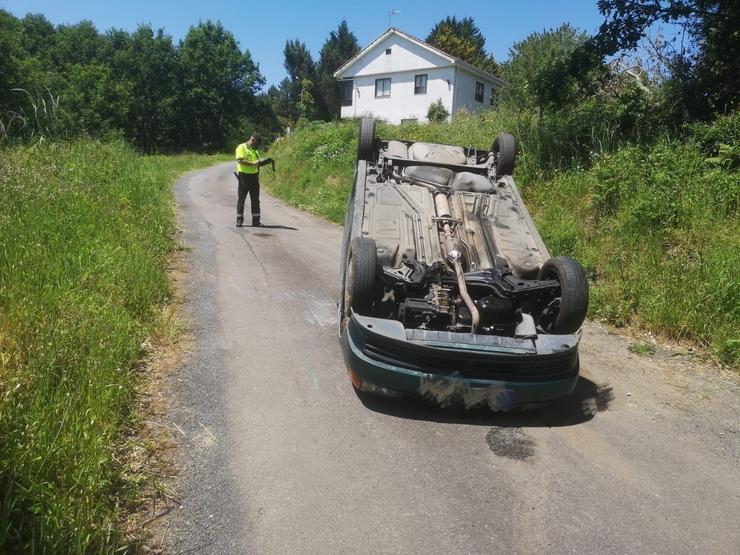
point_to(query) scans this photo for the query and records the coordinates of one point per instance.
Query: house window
(494, 97)
(382, 88)
(478, 92)
(345, 88)
(387, 51)
(420, 84)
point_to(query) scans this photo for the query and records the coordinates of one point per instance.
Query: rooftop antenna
(390, 13)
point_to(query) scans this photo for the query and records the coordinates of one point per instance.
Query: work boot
(239, 220)
(256, 221)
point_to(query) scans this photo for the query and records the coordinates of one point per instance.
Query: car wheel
(361, 283)
(566, 313)
(504, 147)
(366, 140)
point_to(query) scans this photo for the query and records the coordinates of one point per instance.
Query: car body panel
(506, 386)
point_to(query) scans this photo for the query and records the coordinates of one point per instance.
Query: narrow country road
(278, 455)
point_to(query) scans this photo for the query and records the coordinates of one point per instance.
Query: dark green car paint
(450, 389)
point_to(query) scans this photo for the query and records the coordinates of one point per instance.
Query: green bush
(437, 112)
(85, 229)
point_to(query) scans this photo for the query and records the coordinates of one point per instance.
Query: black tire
(504, 147)
(366, 140)
(361, 280)
(573, 300)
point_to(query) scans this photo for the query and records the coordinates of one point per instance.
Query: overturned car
(447, 289)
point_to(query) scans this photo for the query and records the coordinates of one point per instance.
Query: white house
(398, 76)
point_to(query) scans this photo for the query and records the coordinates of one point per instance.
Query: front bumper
(458, 368)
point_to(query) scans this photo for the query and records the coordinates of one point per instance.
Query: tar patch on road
(263, 234)
(511, 443)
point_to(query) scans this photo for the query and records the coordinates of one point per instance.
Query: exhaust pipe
(454, 256)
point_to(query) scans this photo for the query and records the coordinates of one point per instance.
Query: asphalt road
(278, 455)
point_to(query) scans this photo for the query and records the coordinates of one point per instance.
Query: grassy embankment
(85, 232)
(656, 226)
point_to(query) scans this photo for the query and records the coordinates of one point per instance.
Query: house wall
(465, 91)
(403, 103)
(406, 60)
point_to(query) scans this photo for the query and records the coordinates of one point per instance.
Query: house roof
(452, 59)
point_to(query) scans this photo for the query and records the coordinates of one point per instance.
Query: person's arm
(241, 157)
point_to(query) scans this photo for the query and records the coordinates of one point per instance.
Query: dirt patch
(147, 451)
(333, 181)
(664, 349)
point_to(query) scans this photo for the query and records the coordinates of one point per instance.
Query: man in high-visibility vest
(248, 174)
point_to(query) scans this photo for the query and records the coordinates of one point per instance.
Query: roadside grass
(641, 348)
(656, 226)
(657, 231)
(85, 231)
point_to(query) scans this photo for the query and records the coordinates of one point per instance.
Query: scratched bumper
(457, 368)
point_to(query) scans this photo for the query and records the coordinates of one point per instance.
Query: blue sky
(263, 27)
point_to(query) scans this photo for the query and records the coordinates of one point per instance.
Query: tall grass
(85, 229)
(35, 117)
(658, 232)
(655, 225)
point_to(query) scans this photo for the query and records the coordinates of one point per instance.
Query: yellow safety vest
(251, 154)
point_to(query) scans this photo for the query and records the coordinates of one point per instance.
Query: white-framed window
(420, 84)
(479, 91)
(383, 87)
(494, 96)
(346, 87)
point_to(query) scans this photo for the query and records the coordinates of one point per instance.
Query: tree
(298, 61)
(72, 79)
(76, 44)
(26, 107)
(261, 120)
(148, 62)
(219, 83)
(704, 75)
(38, 34)
(530, 79)
(717, 31)
(94, 100)
(340, 47)
(12, 59)
(463, 39)
(281, 102)
(306, 103)
(300, 65)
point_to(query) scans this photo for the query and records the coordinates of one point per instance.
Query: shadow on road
(275, 226)
(580, 406)
(268, 226)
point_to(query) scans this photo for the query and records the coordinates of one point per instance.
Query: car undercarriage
(448, 245)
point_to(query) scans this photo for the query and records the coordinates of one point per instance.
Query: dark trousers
(249, 183)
